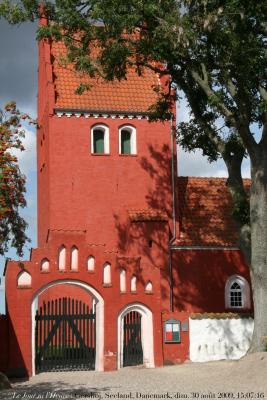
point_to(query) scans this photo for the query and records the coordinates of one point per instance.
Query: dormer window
(127, 140)
(100, 139)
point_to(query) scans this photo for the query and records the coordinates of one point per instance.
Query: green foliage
(12, 181)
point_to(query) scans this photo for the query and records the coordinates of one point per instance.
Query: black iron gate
(65, 336)
(132, 343)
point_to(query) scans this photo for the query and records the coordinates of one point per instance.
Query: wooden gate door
(65, 336)
(132, 343)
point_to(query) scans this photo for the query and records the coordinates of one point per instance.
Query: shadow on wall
(150, 239)
(217, 339)
(200, 278)
(15, 356)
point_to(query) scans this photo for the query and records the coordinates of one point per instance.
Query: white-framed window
(100, 139)
(237, 292)
(127, 140)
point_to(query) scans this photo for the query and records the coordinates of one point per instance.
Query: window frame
(133, 145)
(245, 292)
(105, 129)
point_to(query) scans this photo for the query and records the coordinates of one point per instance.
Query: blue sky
(18, 81)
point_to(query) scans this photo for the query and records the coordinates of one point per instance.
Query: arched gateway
(67, 334)
(135, 336)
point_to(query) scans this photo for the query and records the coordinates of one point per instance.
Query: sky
(18, 82)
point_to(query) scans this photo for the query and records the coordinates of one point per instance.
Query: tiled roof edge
(204, 247)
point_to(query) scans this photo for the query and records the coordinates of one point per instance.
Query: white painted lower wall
(218, 339)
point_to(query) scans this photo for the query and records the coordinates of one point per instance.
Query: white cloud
(195, 164)
(27, 158)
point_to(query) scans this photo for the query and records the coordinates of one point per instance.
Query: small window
(237, 292)
(127, 140)
(100, 140)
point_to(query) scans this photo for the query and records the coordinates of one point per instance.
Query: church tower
(100, 161)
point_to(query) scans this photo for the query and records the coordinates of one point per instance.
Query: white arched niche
(122, 280)
(149, 287)
(74, 258)
(147, 336)
(107, 274)
(98, 303)
(62, 258)
(133, 283)
(45, 265)
(24, 279)
(90, 264)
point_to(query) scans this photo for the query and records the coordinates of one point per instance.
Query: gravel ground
(243, 379)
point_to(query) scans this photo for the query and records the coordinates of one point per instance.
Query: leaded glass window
(236, 295)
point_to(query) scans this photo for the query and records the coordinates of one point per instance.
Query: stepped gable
(205, 212)
(131, 95)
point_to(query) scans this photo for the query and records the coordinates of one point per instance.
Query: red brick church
(134, 264)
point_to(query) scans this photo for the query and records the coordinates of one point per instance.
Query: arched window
(237, 292)
(133, 283)
(107, 274)
(100, 139)
(45, 265)
(74, 255)
(90, 264)
(127, 140)
(122, 280)
(62, 258)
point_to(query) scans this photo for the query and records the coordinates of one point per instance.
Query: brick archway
(146, 334)
(99, 308)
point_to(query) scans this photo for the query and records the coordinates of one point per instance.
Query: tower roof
(135, 94)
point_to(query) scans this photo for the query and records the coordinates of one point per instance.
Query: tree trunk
(258, 271)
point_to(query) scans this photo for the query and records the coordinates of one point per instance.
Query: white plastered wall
(99, 310)
(218, 339)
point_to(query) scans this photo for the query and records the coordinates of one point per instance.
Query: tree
(214, 51)
(12, 181)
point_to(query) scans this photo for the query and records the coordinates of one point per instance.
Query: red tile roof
(205, 209)
(147, 215)
(132, 95)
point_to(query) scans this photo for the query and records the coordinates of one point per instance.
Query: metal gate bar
(64, 336)
(132, 342)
